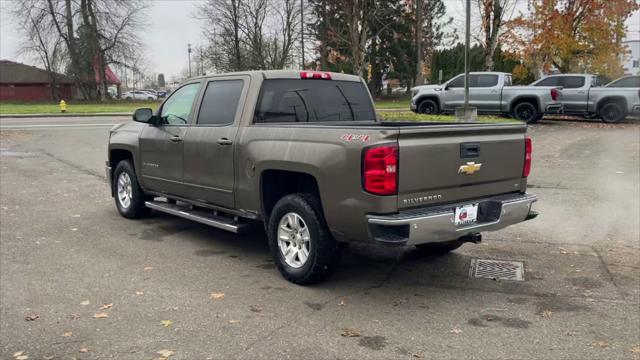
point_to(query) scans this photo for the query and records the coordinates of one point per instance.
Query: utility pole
(467, 113)
(302, 32)
(189, 54)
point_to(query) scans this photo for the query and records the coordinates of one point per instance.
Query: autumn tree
(573, 35)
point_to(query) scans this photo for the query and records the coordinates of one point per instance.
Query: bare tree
(493, 15)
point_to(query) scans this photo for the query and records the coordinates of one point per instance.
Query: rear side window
(572, 82)
(481, 81)
(552, 81)
(292, 100)
(220, 102)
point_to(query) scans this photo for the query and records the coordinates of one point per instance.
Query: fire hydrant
(63, 106)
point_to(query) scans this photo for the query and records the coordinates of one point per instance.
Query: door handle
(224, 141)
(175, 139)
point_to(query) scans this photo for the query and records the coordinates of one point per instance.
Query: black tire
(428, 107)
(612, 112)
(439, 248)
(527, 112)
(150, 98)
(129, 98)
(136, 208)
(324, 250)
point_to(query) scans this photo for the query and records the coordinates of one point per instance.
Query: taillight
(380, 169)
(555, 94)
(526, 169)
(315, 75)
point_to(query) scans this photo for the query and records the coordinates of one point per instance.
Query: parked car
(581, 95)
(138, 95)
(632, 81)
(304, 154)
(490, 93)
(162, 93)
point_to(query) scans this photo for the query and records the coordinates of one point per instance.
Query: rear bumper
(436, 224)
(554, 109)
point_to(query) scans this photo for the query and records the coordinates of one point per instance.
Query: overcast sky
(172, 26)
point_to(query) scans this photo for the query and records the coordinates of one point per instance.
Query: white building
(631, 61)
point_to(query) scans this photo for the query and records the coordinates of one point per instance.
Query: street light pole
(189, 54)
(302, 32)
(467, 37)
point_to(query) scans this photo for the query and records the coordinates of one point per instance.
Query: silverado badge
(469, 169)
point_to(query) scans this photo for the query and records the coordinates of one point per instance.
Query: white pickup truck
(490, 93)
(581, 95)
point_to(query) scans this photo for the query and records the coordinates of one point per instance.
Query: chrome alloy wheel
(125, 193)
(294, 240)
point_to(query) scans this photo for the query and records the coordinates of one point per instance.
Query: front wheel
(129, 196)
(612, 113)
(301, 244)
(527, 112)
(428, 107)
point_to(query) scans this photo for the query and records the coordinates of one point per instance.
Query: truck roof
(283, 74)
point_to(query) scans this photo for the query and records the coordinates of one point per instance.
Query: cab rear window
(306, 100)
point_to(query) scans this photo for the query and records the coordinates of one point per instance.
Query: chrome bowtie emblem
(469, 169)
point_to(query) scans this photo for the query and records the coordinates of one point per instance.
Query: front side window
(572, 82)
(456, 82)
(627, 82)
(307, 100)
(551, 81)
(220, 102)
(177, 109)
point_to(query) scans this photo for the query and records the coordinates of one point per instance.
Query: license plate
(466, 214)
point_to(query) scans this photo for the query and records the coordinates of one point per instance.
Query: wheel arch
(276, 183)
(433, 97)
(525, 98)
(612, 99)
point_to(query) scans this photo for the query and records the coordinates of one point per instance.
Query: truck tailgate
(440, 164)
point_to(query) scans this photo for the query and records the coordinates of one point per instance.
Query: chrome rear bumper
(436, 224)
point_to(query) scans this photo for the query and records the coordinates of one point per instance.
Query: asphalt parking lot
(79, 281)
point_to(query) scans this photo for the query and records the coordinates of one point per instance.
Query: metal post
(189, 54)
(302, 32)
(467, 36)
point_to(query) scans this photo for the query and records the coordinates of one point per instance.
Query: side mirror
(143, 115)
(446, 87)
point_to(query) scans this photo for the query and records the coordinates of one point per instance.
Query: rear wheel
(439, 248)
(129, 196)
(612, 113)
(301, 244)
(527, 112)
(428, 107)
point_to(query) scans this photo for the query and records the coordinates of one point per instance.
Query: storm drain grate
(497, 269)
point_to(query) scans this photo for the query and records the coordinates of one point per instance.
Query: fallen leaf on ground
(49, 357)
(602, 344)
(455, 331)
(166, 323)
(234, 321)
(147, 268)
(74, 229)
(67, 334)
(139, 293)
(635, 350)
(85, 303)
(417, 356)
(22, 357)
(101, 315)
(16, 354)
(106, 306)
(217, 296)
(75, 215)
(83, 350)
(165, 353)
(546, 313)
(341, 303)
(32, 317)
(255, 308)
(349, 333)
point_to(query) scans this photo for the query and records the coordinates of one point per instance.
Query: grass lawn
(393, 104)
(74, 107)
(411, 116)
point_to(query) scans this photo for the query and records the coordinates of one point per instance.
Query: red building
(20, 82)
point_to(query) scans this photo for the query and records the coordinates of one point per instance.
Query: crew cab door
(575, 93)
(484, 92)
(209, 147)
(452, 95)
(162, 146)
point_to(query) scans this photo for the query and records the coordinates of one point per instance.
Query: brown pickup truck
(305, 154)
